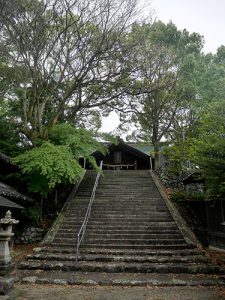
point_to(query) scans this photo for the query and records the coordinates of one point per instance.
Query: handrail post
(87, 215)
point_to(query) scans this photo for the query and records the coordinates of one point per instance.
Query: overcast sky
(206, 17)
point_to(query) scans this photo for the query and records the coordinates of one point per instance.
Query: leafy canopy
(47, 166)
(208, 149)
(204, 146)
(80, 141)
(57, 160)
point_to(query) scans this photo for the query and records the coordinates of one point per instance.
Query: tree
(73, 54)
(207, 149)
(56, 161)
(160, 86)
(204, 147)
(81, 142)
(205, 84)
(47, 166)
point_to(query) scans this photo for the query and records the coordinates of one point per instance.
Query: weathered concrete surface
(36, 292)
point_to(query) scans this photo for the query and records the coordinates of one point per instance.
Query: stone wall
(30, 235)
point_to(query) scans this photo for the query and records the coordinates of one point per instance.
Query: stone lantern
(6, 235)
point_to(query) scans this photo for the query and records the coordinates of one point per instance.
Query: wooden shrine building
(123, 156)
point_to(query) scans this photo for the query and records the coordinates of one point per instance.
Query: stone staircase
(131, 239)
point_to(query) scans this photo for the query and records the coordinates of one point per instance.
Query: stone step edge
(128, 267)
(121, 258)
(94, 251)
(88, 281)
(127, 247)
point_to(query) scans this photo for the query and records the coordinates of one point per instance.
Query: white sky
(206, 17)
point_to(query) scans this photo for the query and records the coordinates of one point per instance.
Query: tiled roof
(145, 148)
(9, 192)
(7, 203)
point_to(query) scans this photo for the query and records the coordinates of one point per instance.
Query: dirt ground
(37, 292)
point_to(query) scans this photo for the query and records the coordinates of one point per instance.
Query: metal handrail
(82, 230)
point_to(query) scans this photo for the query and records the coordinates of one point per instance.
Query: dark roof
(137, 149)
(11, 193)
(7, 203)
(133, 150)
(145, 148)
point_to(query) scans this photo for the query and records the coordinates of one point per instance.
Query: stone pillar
(6, 236)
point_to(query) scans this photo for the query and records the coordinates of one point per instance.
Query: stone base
(5, 269)
(6, 284)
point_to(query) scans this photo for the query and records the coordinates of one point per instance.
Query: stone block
(6, 284)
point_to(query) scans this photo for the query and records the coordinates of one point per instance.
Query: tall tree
(73, 53)
(160, 85)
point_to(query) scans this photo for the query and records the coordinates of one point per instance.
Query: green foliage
(179, 195)
(177, 156)
(47, 166)
(66, 66)
(9, 138)
(57, 160)
(32, 214)
(81, 142)
(165, 61)
(205, 148)
(208, 150)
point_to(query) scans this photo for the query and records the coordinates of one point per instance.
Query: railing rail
(82, 230)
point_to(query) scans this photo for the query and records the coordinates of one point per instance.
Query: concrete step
(117, 267)
(150, 226)
(120, 258)
(127, 201)
(120, 279)
(120, 195)
(121, 232)
(119, 201)
(118, 230)
(125, 246)
(119, 210)
(131, 239)
(122, 219)
(130, 208)
(125, 214)
(122, 222)
(123, 241)
(103, 235)
(132, 187)
(118, 252)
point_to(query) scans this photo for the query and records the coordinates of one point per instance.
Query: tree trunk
(56, 197)
(41, 208)
(157, 156)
